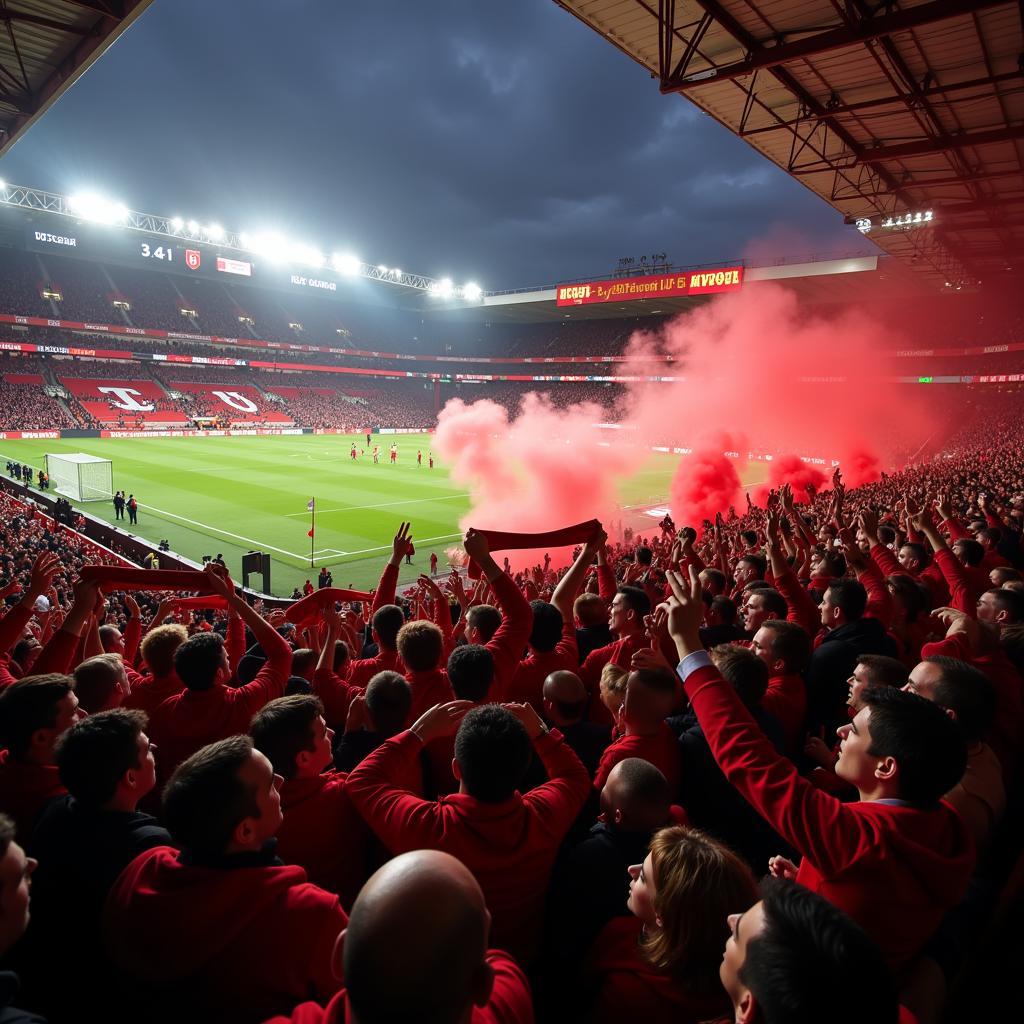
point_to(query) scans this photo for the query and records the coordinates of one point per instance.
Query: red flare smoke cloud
(793, 383)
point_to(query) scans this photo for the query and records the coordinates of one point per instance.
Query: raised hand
(685, 612)
(45, 569)
(441, 720)
(401, 544)
(782, 867)
(476, 546)
(528, 718)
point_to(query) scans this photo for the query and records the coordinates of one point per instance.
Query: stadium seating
(230, 403)
(125, 402)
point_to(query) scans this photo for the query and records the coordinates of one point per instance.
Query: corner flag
(311, 504)
(311, 509)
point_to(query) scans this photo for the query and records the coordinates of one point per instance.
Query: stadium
(462, 609)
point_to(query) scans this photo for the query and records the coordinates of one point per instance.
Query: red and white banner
(29, 435)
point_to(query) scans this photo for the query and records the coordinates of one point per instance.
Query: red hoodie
(24, 789)
(149, 692)
(509, 846)
(786, 699)
(193, 718)
(895, 869)
(527, 682)
(323, 833)
(632, 990)
(243, 943)
(509, 1002)
(620, 652)
(661, 749)
(429, 687)
(362, 670)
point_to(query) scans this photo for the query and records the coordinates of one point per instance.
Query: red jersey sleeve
(802, 608)
(562, 797)
(402, 820)
(817, 825)
(508, 642)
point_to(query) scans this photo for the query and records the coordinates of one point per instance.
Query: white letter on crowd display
(236, 401)
(127, 402)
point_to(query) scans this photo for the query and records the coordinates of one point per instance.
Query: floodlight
(193, 226)
(244, 239)
(3, 186)
(382, 268)
(472, 291)
(346, 263)
(396, 272)
(443, 289)
(308, 255)
(90, 206)
(215, 232)
(176, 224)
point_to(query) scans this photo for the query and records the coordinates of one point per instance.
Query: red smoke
(705, 483)
(539, 472)
(794, 383)
(790, 470)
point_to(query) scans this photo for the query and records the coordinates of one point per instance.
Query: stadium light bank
(98, 209)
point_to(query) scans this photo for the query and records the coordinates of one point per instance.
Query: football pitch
(230, 495)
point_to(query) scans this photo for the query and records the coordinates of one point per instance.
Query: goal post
(81, 477)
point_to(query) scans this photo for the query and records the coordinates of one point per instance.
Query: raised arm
(380, 785)
(814, 823)
(507, 644)
(569, 585)
(389, 577)
(44, 570)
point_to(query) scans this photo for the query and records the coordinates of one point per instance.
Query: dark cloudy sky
(500, 141)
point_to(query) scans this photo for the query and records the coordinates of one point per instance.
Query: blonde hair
(698, 882)
(159, 645)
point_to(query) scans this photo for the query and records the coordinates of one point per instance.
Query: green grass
(235, 494)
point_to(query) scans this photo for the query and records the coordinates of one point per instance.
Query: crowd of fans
(762, 769)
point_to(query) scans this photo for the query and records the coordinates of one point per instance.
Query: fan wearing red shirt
(223, 929)
(387, 619)
(416, 950)
(785, 648)
(794, 956)
(552, 641)
(508, 839)
(158, 647)
(208, 709)
(34, 713)
(321, 831)
(650, 694)
(897, 859)
(45, 570)
(625, 620)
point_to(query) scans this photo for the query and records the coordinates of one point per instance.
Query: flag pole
(312, 529)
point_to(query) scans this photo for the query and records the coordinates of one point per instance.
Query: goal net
(81, 477)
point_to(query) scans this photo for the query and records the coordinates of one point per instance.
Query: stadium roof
(45, 45)
(881, 109)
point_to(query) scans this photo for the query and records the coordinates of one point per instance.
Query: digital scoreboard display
(179, 256)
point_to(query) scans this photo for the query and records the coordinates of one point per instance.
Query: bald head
(565, 698)
(422, 919)
(636, 796)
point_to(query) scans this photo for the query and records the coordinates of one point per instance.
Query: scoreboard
(180, 256)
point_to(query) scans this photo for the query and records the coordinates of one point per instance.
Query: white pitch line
(281, 551)
(223, 533)
(385, 504)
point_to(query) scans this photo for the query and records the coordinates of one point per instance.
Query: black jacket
(8, 993)
(81, 852)
(714, 805)
(832, 664)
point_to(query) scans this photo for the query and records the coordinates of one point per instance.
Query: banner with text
(654, 286)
